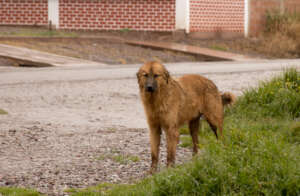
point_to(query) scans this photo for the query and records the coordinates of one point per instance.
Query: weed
(92, 191)
(219, 47)
(102, 157)
(125, 159)
(186, 141)
(279, 97)
(37, 32)
(12, 191)
(2, 112)
(184, 130)
(294, 133)
(125, 30)
(282, 35)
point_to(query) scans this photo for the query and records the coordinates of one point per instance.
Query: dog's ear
(138, 76)
(166, 75)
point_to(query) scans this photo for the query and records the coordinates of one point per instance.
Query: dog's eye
(145, 75)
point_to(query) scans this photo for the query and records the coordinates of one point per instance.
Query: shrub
(282, 35)
(279, 97)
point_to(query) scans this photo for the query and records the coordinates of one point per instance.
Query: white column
(187, 19)
(181, 14)
(53, 12)
(246, 17)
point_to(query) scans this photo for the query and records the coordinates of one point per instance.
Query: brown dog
(169, 104)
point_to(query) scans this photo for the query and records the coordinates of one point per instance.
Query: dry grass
(282, 36)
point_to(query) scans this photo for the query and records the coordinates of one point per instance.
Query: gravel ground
(63, 134)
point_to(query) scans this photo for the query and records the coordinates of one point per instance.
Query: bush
(282, 35)
(279, 97)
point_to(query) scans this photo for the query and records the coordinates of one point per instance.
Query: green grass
(218, 47)
(279, 97)
(259, 156)
(125, 159)
(119, 158)
(11, 191)
(37, 32)
(2, 112)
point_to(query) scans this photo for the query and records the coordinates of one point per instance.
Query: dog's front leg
(172, 135)
(155, 133)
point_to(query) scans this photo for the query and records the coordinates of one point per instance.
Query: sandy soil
(64, 133)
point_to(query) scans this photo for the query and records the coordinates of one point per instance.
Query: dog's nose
(150, 88)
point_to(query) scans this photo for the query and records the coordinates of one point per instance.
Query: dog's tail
(228, 98)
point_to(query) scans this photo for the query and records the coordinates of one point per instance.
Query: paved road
(67, 73)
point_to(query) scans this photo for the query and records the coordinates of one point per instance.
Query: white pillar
(181, 15)
(187, 19)
(53, 12)
(246, 17)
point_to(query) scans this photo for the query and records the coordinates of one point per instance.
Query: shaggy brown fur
(170, 103)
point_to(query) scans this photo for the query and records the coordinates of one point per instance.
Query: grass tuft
(279, 97)
(11, 191)
(37, 32)
(2, 112)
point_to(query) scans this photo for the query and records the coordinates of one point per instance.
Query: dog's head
(152, 76)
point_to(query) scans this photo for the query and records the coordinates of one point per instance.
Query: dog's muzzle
(150, 89)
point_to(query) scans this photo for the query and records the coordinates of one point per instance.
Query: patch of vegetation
(94, 190)
(11, 191)
(2, 112)
(184, 130)
(124, 159)
(125, 30)
(219, 47)
(279, 97)
(37, 32)
(186, 141)
(119, 158)
(282, 35)
(260, 155)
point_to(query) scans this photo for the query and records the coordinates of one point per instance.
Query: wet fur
(175, 102)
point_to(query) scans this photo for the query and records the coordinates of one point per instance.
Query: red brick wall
(24, 12)
(217, 16)
(154, 15)
(292, 5)
(259, 8)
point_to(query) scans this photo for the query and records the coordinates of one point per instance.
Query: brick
(118, 14)
(21, 12)
(215, 15)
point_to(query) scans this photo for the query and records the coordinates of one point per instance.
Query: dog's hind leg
(155, 133)
(194, 128)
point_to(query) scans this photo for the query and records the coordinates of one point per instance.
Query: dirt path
(76, 129)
